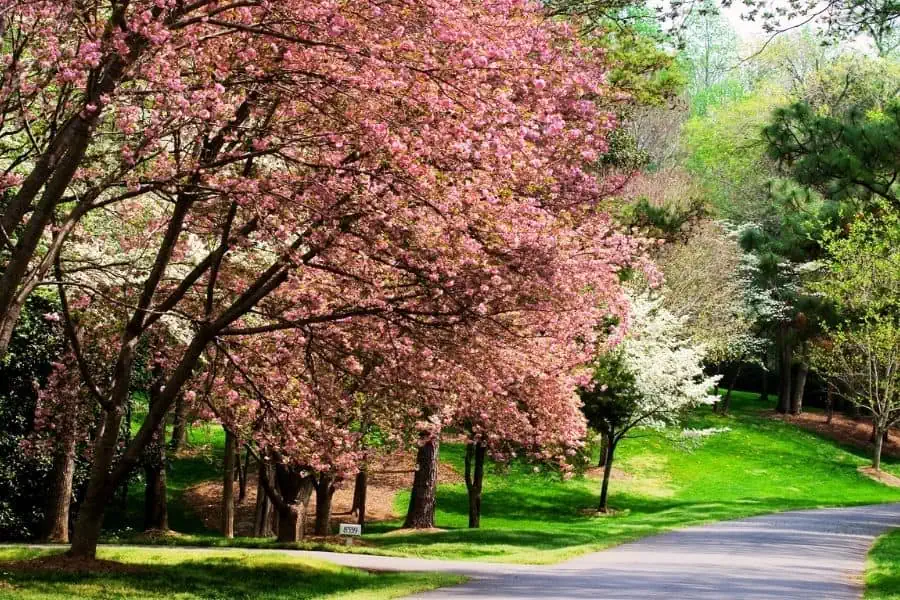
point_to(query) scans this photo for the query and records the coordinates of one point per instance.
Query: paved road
(803, 555)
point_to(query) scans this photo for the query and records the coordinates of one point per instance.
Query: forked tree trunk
(799, 388)
(290, 501)
(60, 492)
(607, 472)
(420, 514)
(228, 487)
(324, 495)
(475, 451)
(360, 490)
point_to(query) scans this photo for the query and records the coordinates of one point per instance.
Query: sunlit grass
(761, 465)
(209, 574)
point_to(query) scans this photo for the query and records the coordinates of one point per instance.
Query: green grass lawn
(208, 575)
(883, 568)
(761, 465)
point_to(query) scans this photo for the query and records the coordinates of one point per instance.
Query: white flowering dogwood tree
(649, 380)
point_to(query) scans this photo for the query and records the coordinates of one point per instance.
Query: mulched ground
(387, 476)
(881, 476)
(853, 432)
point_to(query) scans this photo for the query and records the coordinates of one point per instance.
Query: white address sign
(350, 529)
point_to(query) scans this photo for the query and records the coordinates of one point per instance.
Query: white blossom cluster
(668, 368)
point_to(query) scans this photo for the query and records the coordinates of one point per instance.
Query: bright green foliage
(862, 353)
(192, 575)
(727, 155)
(883, 568)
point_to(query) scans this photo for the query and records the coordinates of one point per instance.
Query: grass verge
(149, 574)
(759, 465)
(883, 568)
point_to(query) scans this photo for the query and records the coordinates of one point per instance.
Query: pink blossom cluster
(421, 171)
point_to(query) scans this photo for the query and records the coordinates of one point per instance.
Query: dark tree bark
(785, 362)
(726, 400)
(290, 523)
(604, 450)
(829, 403)
(262, 520)
(360, 490)
(228, 486)
(420, 514)
(475, 451)
(242, 477)
(324, 494)
(607, 472)
(60, 492)
(764, 394)
(876, 454)
(179, 425)
(799, 388)
(156, 511)
(290, 497)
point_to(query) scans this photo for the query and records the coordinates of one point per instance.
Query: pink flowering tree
(405, 171)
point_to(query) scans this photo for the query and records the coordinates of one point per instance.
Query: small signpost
(350, 530)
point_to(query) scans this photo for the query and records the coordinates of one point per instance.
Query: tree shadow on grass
(214, 578)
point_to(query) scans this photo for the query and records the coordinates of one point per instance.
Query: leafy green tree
(649, 381)
(861, 354)
(853, 157)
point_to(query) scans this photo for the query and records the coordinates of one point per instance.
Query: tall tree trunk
(156, 511)
(799, 388)
(100, 487)
(290, 523)
(604, 450)
(60, 492)
(607, 472)
(764, 394)
(360, 490)
(876, 455)
(263, 514)
(242, 477)
(726, 401)
(228, 486)
(290, 499)
(179, 425)
(420, 514)
(474, 481)
(829, 403)
(785, 362)
(324, 495)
